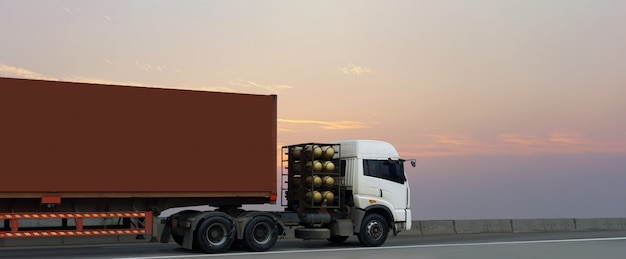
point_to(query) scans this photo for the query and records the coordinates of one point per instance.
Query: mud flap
(167, 231)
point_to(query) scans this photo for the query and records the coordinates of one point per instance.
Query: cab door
(365, 188)
(392, 184)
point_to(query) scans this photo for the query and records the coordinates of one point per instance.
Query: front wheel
(215, 234)
(260, 234)
(374, 230)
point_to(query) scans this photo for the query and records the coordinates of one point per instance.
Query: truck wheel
(260, 234)
(215, 234)
(374, 230)
(338, 239)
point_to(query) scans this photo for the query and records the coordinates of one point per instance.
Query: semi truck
(95, 159)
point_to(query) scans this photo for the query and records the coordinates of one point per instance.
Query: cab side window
(385, 169)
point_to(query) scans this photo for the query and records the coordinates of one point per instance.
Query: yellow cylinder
(315, 180)
(297, 153)
(314, 196)
(296, 167)
(314, 166)
(328, 166)
(296, 182)
(328, 195)
(314, 152)
(328, 152)
(328, 181)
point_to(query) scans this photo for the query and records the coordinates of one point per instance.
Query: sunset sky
(513, 109)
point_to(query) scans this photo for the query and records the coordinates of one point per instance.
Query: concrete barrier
(434, 227)
(597, 224)
(470, 226)
(528, 225)
(416, 229)
(559, 225)
(499, 225)
(615, 224)
(430, 227)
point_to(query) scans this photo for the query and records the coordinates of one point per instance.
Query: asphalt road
(594, 245)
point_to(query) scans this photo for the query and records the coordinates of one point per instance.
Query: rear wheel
(260, 234)
(374, 230)
(338, 239)
(215, 234)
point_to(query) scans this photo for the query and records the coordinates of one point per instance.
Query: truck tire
(260, 234)
(215, 234)
(338, 239)
(374, 230)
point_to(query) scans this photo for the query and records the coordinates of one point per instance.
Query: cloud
(17, 72)
(216, 89)
(144, 67)
(563, 142)
(444, 143)
(516, 138)
(329, 125)
(70, 10)
(248, 84)
(452, 139)
(286, 130)
(237, 86)
(352, 69)
(555, 140)
(149, 67)
(92, 80)
(448, 144)
(567, 138)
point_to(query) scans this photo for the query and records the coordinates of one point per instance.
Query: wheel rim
(374, 229)
(216, 234)
(262, 233)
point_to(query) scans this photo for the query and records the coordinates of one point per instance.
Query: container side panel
(71, 137)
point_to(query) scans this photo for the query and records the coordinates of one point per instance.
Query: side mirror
(413, 162)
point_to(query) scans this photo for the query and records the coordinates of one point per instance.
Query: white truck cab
(374, 172)
(369, 199)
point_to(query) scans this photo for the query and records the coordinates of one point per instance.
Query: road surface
(596, 245)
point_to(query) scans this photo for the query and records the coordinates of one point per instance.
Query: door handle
(381, 192)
